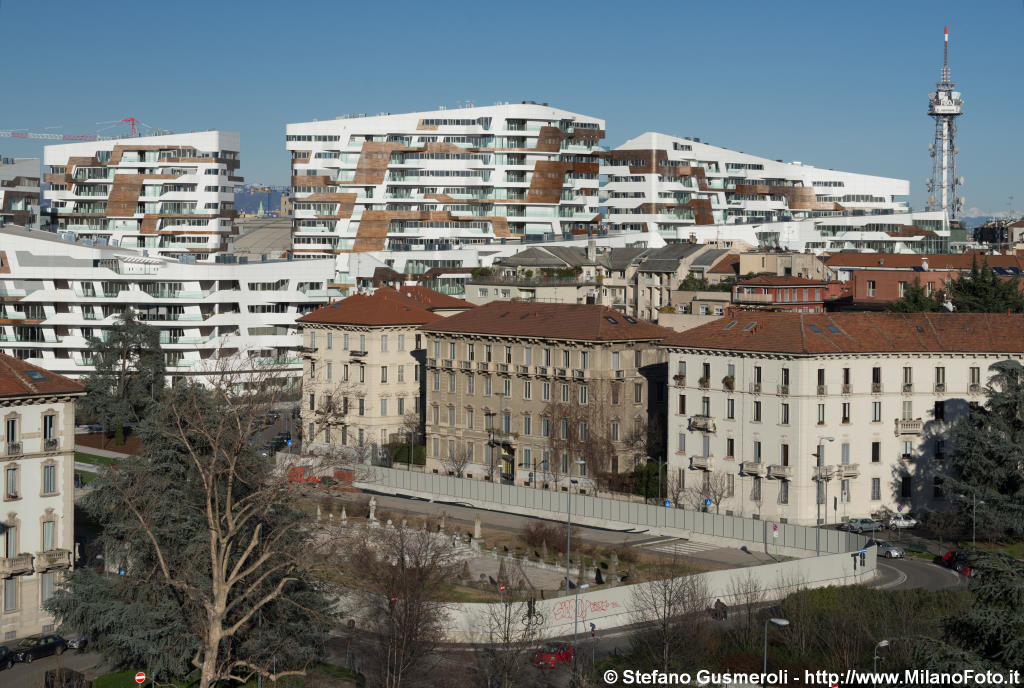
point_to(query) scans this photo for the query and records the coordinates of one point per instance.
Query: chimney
(591, 250)
(924, 263)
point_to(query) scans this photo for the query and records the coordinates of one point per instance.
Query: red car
(959, 561)
(553, 654)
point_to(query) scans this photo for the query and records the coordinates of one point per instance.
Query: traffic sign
(707, 502)
(668, 502)
(140, 677)
(289, 443)
(775, 530)
(899, 508)
(501, 588)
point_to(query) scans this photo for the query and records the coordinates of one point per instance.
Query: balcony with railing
(680, 380)
(783, 390)
(15, 566)
(702, 423)
(755, 387)
(14, 449)
(847, 470)
(53, 559)
(876, 387)
(751, 468)
(847, 388)
(780, 472)
(51, 444)
(702, 463)
(908, 387)
(940, 387)
(822, 390)
(541, 371)
(974, 388)
(909, 426)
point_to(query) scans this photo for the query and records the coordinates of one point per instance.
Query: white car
(902, 521)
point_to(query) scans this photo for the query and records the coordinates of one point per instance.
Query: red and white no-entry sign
(140, 677)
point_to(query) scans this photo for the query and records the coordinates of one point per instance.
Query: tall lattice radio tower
(944, 106)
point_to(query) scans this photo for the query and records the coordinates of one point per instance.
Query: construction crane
(45, 135)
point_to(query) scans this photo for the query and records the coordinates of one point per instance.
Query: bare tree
(456, 463)
(714, 487)
(747, 592)
(583, 430)
(401, 576)
(510, 630)
(671, 612)
(646, 439)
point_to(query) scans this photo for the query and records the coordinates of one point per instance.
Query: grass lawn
(94, 459)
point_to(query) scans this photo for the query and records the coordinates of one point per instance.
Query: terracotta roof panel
(371, 309)
(19, 379)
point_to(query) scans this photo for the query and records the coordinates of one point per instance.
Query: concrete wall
(615, 607)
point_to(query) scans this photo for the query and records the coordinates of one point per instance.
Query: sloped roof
(580, 322)
(936, 261)
(729, 265)
(622, 258)
(708, 258)
(21, 379)
(534, 257)
(372, 309)
(834, 333)
(666, 258)
(424, 297)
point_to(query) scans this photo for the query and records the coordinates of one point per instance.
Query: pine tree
(983, 291)
(916, 300)
(987, 457)
(128, 377)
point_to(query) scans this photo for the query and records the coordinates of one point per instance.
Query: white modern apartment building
(665, 181)
(755, 398)
(172, 195)
(19, 191)
(37, 517)
(55, 294)
(451, 176)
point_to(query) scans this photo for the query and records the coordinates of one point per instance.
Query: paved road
(916, 573)
(31, 675)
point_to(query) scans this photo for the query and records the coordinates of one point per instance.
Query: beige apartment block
(361, 379)
(785, 264)
(524, 392)
(788, 416)
(37, 514)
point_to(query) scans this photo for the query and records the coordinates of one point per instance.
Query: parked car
(861, 525)
(902, 521)
(553, 654)
(79, 643)
(6, 657)
(886, 549)
(36, 646)
(959, 561)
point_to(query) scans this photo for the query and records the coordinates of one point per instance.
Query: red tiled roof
(781, 281)
(424, 297)
(828, 333)
(16, 381)
(372, 309)
(550, 320)
(941, 261)
(729, 265)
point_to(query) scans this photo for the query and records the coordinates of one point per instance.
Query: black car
(6, 657)
(36, 646)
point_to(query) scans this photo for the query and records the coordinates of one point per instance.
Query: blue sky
(841, 85)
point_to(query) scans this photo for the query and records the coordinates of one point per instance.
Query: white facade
(887, 415)
(19, 191)
(466, 175)
(54, 294)
(697, 183)
(37, 520)
(173, 194)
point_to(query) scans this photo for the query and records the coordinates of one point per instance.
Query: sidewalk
(106, 453)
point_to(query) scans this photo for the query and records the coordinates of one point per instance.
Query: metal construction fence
(616, 512)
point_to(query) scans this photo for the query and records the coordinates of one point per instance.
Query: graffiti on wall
(567, 609)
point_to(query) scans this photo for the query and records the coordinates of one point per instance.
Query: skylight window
(729, 326)
(815, 329)
(833, 329)
(36, 376)
(750, 326)
(612, 320)
(630, 320)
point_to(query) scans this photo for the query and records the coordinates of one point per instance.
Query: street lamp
(881, 644)
(575, 624)
(817, 496)
(777, 622)
(568, 529)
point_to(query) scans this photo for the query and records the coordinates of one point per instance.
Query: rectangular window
(757, 375)
(846, 412)
(757, 451)
(312, 339)
(383, 343)
(565, 358)
(785, 377)
(329, 370)
(784, 454)
(12, 430)
(10, 541)
(362, 373)
(344, 342)
(871, 288)
(49, 535)
(906, 487)
(845, 494)
(821, 377)
(757, 411)
(545, 391)
(547, 357)
(876, 411)
(705, 406)
(876, 488)
(10, 594)
(821, 414)
(401, 406)
(508, 354)
(527, 389)
(563, 429)
(527, 355)
(565, 394)
(638, 393)
(469, 384)
(527, 425)
(681, 442)
(437, 349)
(437, 382)
(908, 410)
(583, 394)
(545, 427)
(471, 351)
(902, 289)
(783, 492)
(730, 408)
(845, 447)
(362, 342)
(582, 425)
(876, 452)
(451, 416)
(615, 431)
(755, 492)
(525, 463)
(49, 479)
(435, 414)
(383, 407)
(401, 373)
(435, 446)
(876, 376)
(487, 385)
(785, 414)
(49, 426)
(940, 410)
(940, 376)
(682, 404)
(584, 360)
(469, 418)
(401, 342)
(451, 383)
(638, 359)
(615, 360)
(730, 446)
(451, 350)
(383, 373)
(362, 406)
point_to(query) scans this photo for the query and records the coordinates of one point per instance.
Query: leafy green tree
(983, 291)
(129, 374)
(916, 300)
(218, 563)
(988, 635)
(645, 479)
(984, 466)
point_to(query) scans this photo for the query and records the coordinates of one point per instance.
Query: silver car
(887, 549)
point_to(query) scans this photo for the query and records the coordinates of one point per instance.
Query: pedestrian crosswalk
(676, 546)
